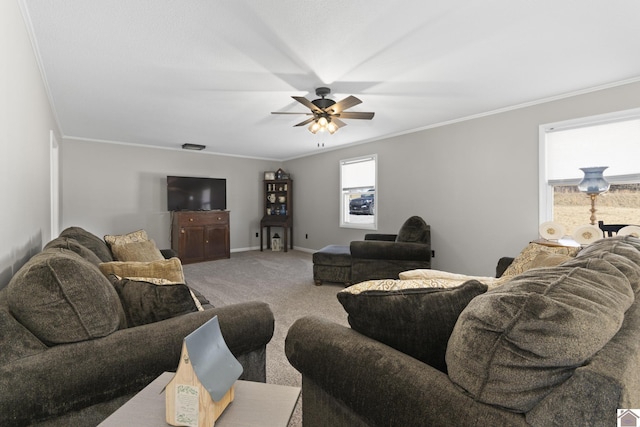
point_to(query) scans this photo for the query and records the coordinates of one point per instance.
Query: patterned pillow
(143, 251)
(523, 261)
(413, 319)
(445, 279)
(121, 239)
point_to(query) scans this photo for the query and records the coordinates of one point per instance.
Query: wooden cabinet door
(216, 242)
(192, 244)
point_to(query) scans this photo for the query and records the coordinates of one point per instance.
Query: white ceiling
(168, 72)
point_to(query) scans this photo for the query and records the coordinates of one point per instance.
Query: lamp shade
(593, 181)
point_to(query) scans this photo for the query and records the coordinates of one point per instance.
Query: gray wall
(475, 182)
(114, 188)
(25, 122)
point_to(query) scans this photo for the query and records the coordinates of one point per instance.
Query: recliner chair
(378, 256)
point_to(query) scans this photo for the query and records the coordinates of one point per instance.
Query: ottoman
(332, 264)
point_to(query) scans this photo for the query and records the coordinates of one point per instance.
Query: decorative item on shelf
(269, 176)
(282, 199)
(279, 173)
(630, 230)
(203, 385)
(593, 184)
(275, 243)
(587, 234)
(272, 198)
(551, 230)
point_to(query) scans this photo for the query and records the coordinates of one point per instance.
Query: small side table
(283, 221)
(255, 404)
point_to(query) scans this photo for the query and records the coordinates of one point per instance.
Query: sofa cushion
(121, 239)
(145, 302)
(74, 246)
(169, 269)
(514, 344)
(621, 252)
(143, 251)
(16, 341)
(414, 230)
(89, 241)
(63, 298)
(414, 320)
(525, 258)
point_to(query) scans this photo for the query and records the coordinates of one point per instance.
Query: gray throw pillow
(414, 230)
(416, 321)
(145, 302)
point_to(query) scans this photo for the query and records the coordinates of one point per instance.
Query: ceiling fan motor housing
(322, 102)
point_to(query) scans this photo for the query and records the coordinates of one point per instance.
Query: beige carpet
(285, 282)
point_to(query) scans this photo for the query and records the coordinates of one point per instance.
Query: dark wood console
(200, 235)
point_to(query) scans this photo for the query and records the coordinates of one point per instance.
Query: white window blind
(614, 144)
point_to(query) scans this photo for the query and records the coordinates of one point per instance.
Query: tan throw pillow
(144, 251)
(169, 269)
(546, 259)
(121, 239)
(524, 260)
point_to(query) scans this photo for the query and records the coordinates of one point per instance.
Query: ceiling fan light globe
(314, 127)
(332, 128)
(323, 122)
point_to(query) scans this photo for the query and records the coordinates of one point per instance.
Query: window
(610, 140)
(358, 198)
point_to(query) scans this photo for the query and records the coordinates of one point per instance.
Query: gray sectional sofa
(552, 346)
(76, 346)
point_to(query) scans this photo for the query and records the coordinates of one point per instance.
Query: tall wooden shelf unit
(200, 235)
(278, 210)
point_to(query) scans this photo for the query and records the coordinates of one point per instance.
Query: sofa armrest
(404, 251)
(169, 253)
(364, 376)
(72, 376)
(380, 236)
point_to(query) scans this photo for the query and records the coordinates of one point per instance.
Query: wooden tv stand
(200, 235)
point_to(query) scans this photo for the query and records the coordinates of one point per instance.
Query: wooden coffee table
(255, 404)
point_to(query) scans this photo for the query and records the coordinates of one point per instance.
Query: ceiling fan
(327, 113)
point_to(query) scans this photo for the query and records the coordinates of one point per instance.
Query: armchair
(378, 256)
(384, 256)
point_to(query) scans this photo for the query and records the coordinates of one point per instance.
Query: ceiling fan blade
(288, 112)
(340, 106)
(339, 123)
(356, 115)
(306, 122)
(304, 101)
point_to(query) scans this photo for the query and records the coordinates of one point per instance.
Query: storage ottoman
(332, 264)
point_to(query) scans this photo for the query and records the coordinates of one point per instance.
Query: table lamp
(593, 184)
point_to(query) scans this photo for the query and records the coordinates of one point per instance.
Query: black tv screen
(196, 194)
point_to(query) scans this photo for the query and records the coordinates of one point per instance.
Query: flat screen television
(196, 194)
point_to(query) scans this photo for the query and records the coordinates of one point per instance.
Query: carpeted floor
(285, 282)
